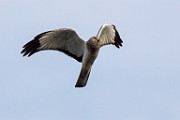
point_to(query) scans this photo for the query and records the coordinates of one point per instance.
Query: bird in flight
(67, 40)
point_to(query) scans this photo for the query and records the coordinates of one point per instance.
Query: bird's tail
(83, 77)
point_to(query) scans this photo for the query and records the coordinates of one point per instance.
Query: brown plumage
(68, 41)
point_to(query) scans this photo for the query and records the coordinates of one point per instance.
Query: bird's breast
(90, 55)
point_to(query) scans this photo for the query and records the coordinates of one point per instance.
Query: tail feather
(83, 77)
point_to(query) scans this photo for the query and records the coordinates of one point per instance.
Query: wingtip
(118, 39)
(23, 53)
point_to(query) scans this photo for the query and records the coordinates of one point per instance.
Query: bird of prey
(67, 40)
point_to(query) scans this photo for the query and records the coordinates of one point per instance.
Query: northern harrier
(68, 41)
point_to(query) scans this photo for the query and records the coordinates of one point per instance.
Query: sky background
(140, 81)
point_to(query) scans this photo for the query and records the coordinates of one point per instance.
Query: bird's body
(89, 57)
(67, 40)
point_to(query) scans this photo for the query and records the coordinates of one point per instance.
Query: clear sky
(140, 81)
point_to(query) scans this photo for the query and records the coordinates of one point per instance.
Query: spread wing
(109, 35)
(65, 40)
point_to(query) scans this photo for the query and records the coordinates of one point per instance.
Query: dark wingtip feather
(118, 40)
(32, 47)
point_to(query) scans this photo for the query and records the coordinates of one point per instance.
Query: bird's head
(93, 42)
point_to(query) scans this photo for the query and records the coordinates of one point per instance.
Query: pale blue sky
(140, 81)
